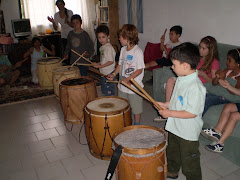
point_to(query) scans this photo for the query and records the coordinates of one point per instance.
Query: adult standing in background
(62, 17)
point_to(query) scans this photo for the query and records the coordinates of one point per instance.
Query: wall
(218, 18)
(10, 11)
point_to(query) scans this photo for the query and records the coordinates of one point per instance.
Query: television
(21, 28)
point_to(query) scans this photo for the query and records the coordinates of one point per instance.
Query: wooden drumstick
(82, 64)
(97, 72)
(164, 34)
(113, 81)
(81, 56)
(146, 94)
(75, 61)
(134, 90)
(61, 61)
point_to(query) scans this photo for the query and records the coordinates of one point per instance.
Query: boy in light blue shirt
(184, 113)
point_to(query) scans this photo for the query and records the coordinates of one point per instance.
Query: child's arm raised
(52, 53)
(162, 41)
(28, 53)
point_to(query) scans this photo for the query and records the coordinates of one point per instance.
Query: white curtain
(37, 11)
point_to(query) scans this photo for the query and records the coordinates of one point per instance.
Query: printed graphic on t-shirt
(75, 42)
(129, 66)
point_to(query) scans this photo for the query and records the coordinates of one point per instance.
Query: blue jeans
(108, 89)
(212, 100)
(83, 70)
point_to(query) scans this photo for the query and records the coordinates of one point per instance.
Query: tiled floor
(35, 145)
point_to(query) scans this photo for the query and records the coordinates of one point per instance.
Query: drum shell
(95, 129)
(145, 167)
(73, 99)
(44, 70)
(58, 76)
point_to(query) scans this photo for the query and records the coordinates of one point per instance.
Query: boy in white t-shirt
(107, 59)
(131, 65)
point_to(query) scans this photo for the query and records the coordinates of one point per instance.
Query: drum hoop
(55, 62)
(143, 151)
(72, 71)
(77, 86)
(112, 113)
(117, 112)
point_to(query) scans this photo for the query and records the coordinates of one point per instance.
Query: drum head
(48, 60)
(75, 82)
(109, 105)
(140, 138)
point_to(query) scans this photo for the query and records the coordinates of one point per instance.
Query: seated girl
(207, 66)
(226, 123)
(232, 71)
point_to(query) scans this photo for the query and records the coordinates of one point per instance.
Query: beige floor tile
(99, 170)
(41, 146)
(33, 128)
(10, 166)
(24, 175)
(51, 170)
(77, 148)
(26, 138)
(46, 134)
(230, 177)
(76, 176)
(76, 163)
(56, 115)
(58, 154)
(39, 118)
(62, 130)
(95, 160)
(52, 123)
(33, 160)
(63, 140)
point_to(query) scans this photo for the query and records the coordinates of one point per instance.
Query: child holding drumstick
(184, 113)
(37, 52)
(131, 65)
(107, 59)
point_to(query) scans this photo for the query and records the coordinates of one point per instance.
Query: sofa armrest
(160, 77)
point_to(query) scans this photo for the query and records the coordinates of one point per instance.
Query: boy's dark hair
(102, 29)
(186, 52)
(129, 32)
(36, 39)
(76, 16)
(235, 54)
(177, 29)
(62, 1)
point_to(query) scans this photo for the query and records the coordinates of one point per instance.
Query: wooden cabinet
(108, 15)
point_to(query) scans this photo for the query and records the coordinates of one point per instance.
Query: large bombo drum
(103, 117)
(45, 67)
(75, 93)
(61, 73)
(143, 153)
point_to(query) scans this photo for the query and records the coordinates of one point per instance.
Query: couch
(232, 144)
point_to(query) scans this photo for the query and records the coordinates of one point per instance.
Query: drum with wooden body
(143, 153)
(74, 94)
(45, 68)
(103, 117)
(61, 73)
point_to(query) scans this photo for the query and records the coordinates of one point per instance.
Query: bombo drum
(103, 117)
(75, 93)
(45, 68)
(143, 153)
(61, 73)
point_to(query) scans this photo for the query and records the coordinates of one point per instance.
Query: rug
(23, 90)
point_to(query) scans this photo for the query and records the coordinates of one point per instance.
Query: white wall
(10, 10)
(199, 18)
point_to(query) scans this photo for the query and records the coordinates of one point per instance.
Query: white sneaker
(159, 119)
